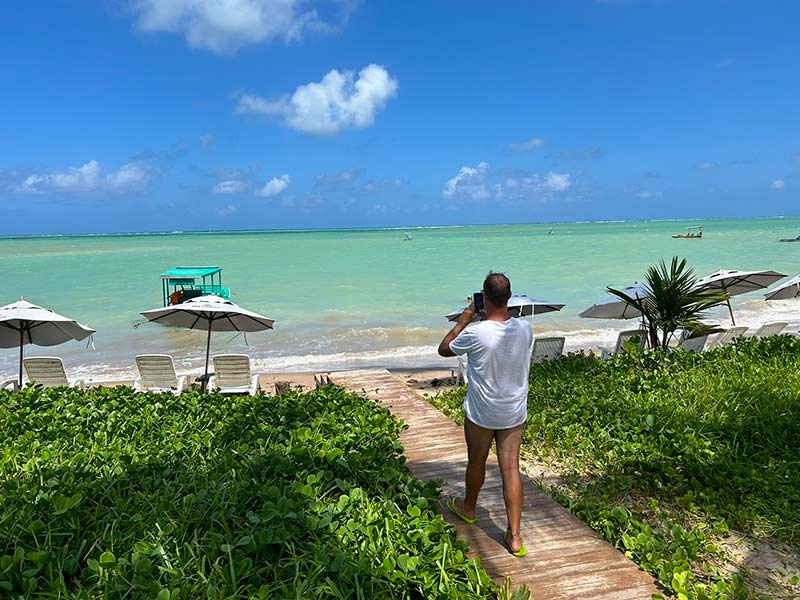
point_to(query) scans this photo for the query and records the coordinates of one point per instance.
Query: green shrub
(111, 494)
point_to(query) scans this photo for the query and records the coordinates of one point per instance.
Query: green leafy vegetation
(665, 453)
(111, 494)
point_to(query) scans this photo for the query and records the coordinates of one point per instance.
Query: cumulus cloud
(89, 177)
(229, 186)
(706, 165)
(469, 183)
(556, 182)
(207, 139)
(340, 101)
(527, 146)
(778, 184)
(227, 210)
(273, 187)
(476, 183)
(225, 26)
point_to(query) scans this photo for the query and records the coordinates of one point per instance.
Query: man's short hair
(497, 287)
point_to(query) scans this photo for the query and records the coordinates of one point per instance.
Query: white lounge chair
(547, 348)
(727, 336)
(157, 374)
(623, 337)
(10, 385)
(232, 375)
(48, 371)
(461, 379)
(768, 329)
(695, 344)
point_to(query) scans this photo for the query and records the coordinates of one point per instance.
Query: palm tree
(672, 301)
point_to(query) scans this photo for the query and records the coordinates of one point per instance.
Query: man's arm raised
(463, 320)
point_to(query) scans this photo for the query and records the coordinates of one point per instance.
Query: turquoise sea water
(352, 298)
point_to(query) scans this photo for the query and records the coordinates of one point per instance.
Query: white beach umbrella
(519, 305)
(615, 307)
(209, 313)
(785, 291)
(25, 323)
(733, 283)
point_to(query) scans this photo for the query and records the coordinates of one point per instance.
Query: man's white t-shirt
(499, 355)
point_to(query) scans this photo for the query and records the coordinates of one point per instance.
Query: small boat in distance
(408, 238)
(690, 233)
(794, 239)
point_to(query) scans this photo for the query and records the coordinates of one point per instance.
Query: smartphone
(477, 300)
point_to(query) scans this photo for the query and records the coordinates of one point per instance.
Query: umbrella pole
(730, 310)
(208, 351)
(21, 346)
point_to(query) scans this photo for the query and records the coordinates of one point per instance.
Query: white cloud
(273, 187)
(531, 144)
(469, 183)
(474, 183)
(339, 101)
(207, 139)
(706, 165)
(386, 184)
(132, 176)
(224, 26)
(342, 177)
(229, 186)
(556, 182)
(778, 184)
(227, 210)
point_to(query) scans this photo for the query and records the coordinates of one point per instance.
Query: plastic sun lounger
(547, 348)
(623, 337)
(461, 377)
(768, 329)
(157, 374)
(232, 375)
(728, 336)
(48, 371)
(695, 344)
(9, 384)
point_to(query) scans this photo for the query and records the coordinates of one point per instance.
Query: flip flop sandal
(507, 536)
(451, 505)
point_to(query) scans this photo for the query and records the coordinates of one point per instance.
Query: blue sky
(142, 115)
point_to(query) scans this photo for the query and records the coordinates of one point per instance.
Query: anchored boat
(182, 283)
(691, 233)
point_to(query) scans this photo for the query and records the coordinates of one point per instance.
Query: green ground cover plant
(108, 493)
(664, 453)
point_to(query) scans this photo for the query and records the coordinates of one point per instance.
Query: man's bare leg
(479, 442)
(508, 444)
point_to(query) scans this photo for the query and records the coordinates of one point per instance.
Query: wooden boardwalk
(566, 559)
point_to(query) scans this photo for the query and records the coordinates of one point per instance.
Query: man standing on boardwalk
(498, 349)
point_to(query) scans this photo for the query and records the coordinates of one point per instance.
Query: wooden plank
(565, 560)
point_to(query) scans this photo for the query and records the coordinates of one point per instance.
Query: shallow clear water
(347, 298)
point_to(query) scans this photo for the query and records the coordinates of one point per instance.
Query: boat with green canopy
(179, 284)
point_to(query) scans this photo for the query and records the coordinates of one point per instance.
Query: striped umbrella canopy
(209, 313)
(24, 323)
